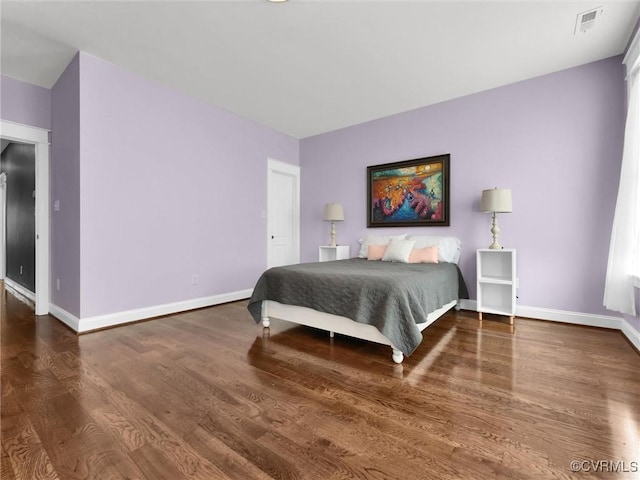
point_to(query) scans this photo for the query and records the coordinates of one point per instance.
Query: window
(623, 267)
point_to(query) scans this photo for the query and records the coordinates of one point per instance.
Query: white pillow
(398, 251)
(448, 247)
(376, 240)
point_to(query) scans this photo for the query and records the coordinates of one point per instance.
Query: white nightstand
(327, 254)
(496, 282)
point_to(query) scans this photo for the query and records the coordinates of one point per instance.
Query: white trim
(632, 58)
(83, 325)
(561, 316)
(576, 318)
(631, 333)
(23, 133)
(65, 317)
(40, 138)
(103, 321)
(294, 171)
(28, 294)
(42, 229)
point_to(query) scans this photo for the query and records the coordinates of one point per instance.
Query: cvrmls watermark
(615, 466)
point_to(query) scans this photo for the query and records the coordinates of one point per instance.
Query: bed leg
(264, 315)
(331, 334)
(397, 355)
(458, 306)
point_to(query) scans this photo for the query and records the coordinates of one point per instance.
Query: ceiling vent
(586, 20)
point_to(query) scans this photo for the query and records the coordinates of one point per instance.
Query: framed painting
(409, 193)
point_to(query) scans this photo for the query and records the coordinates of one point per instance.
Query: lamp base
(495, 230)
(333, 235)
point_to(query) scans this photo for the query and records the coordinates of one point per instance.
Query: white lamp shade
(333, 212)
(496, 200)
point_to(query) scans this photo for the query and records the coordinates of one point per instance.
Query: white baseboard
(577, 318)
(588, 319)
(65, 317)
(631, 333)
(83, 325)
(28, 294)
(102, 321)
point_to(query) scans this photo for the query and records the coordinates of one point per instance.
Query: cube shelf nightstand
(327, 253)
(496, 282)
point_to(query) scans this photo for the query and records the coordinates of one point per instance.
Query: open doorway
(39, 138)
(3, 215)
(18, 164)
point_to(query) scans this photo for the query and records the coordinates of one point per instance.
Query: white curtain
(624, 250)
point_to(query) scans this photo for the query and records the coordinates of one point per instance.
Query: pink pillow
(424, 255)
(376, 252)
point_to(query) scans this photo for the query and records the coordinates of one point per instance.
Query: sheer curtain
(624, 250)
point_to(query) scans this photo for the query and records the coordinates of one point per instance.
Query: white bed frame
(337, 324)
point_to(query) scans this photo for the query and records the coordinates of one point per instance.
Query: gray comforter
(393, 297)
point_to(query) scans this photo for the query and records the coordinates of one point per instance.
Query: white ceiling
(310, 66)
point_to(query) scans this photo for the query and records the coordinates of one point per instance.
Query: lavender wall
(24, 103)
(65, 188)
(170, 188)
(556, 141)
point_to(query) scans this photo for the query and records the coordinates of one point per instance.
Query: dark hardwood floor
(208, 395)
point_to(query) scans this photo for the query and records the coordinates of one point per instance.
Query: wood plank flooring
(209, 395)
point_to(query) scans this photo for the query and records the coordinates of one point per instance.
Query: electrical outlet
(57, 284)
(20, 269)
(56, 206)
(194, 280)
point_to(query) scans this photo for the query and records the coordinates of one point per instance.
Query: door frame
(3, 222)
(40, 138)
(294, 171)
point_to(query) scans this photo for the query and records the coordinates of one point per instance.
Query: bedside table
(327, 254)
(496, 282)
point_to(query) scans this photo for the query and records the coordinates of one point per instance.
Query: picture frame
(409, 193)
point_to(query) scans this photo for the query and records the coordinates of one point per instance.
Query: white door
(283, 214)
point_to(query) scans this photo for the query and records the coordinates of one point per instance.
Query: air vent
(586, 20)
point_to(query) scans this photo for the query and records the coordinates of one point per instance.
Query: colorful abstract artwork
(412, 192)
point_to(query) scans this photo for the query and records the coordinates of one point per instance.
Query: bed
(384, 302)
